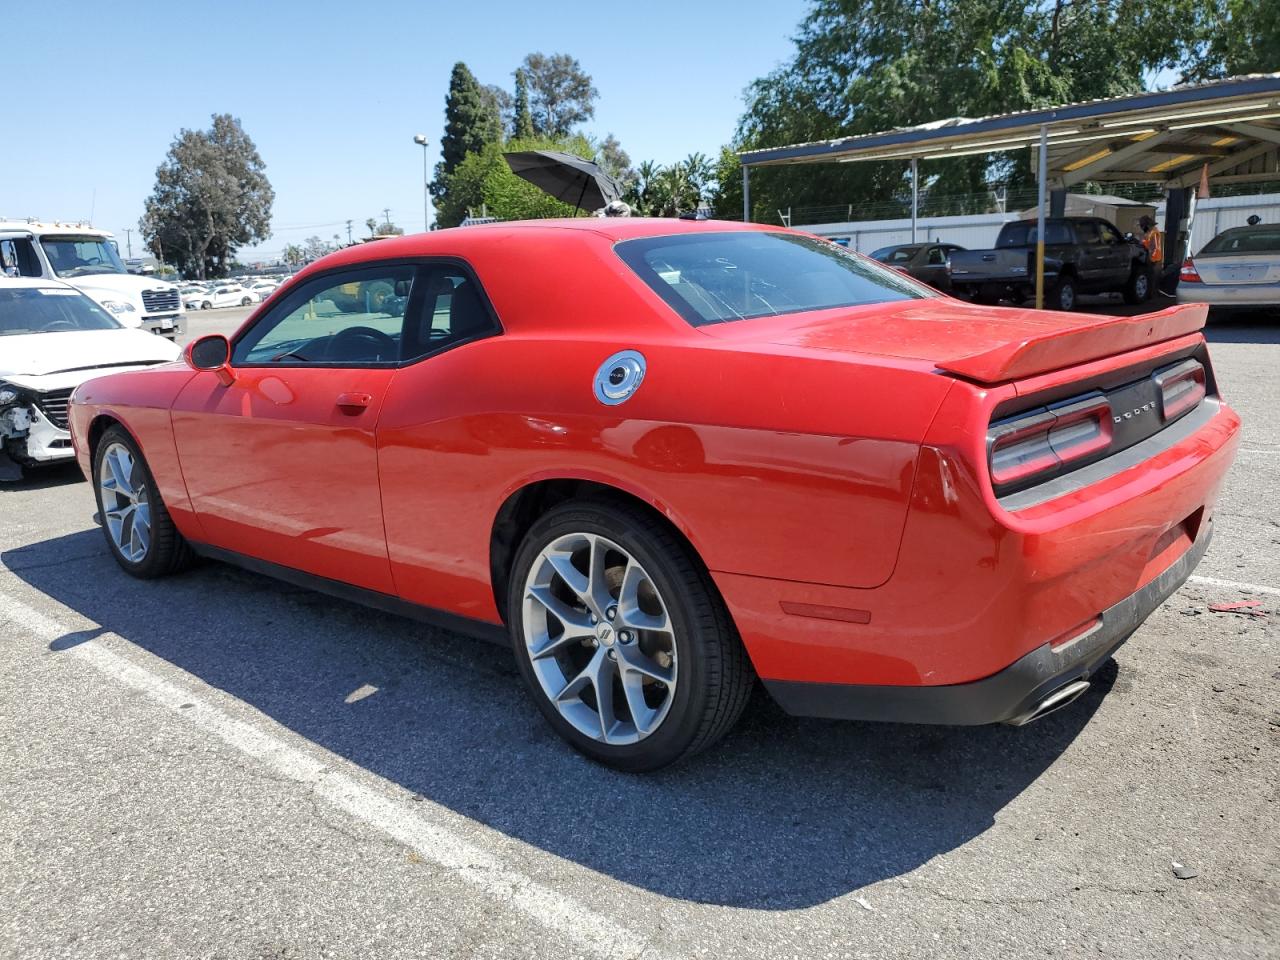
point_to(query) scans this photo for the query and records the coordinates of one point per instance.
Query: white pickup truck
(89, 260)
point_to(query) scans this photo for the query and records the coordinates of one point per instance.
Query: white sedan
(225, 295)
(52, 339)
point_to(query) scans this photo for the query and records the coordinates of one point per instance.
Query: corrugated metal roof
(1073, 124)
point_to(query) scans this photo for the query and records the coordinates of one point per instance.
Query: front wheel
(622, 638)
(139, 531)
(245, 301)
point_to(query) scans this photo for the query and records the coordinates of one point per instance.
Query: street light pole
(421, 140)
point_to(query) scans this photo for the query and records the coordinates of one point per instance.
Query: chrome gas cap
(619, 377)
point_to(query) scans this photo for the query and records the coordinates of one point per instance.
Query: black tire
(1062, 295)
(374, 295)
(714, 679)
(206, 305)
(1138, 287)
(168, 551)
(245, 301)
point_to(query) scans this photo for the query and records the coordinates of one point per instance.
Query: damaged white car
(52, 339)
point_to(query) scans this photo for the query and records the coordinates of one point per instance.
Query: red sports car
(665, 458)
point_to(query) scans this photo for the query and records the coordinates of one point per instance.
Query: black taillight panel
(1071, 430)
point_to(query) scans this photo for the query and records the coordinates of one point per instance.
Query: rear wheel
(1062, 296)
(245, 301)
(138, 529)
(622, 638)
(1138, 287)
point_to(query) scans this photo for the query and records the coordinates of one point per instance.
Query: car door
(931, 266)
(281, 462)
(1119, 255)
(435, 443)
(1093, 261)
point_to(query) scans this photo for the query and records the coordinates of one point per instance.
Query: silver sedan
(1237, 269)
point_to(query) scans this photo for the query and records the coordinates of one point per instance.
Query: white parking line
(1235, 585)
(432, 842)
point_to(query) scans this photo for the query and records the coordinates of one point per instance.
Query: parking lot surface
(220, 765)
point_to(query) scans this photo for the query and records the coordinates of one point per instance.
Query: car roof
(458, 241)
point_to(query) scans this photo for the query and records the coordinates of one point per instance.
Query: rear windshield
(49, 310)
(720, 277)
(1025, 233)
(1256, 240)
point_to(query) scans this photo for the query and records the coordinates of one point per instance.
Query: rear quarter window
(722, 277)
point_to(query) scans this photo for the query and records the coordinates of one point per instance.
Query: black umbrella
(566, 177)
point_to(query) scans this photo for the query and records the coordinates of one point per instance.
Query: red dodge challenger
(665, 458)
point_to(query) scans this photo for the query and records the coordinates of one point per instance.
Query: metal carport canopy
(1165, 136)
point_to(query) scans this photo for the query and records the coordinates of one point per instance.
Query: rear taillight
(1182, 387)
(1188, 273)
(1039, 443)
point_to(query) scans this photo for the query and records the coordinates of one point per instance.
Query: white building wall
(978, 232)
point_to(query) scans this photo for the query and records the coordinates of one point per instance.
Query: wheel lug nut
(612, 655)
(624, 636)
(595, 619)
(611, 613)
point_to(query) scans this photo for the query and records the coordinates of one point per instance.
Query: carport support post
(746, 194)
(1044, 182)
(915, 195)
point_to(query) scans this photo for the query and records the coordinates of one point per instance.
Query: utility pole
(128, 241)
(386, 215)
(348, 233)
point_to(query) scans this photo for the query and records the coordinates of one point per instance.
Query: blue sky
(332, 93)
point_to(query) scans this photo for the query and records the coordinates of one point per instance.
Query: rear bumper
(1243, 295)
(1004, 695)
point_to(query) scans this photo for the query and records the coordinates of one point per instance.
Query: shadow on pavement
(42, 478)
(785, 813)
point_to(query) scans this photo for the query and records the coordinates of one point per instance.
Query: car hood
(986, 344)
(104, 284)
(36, 359)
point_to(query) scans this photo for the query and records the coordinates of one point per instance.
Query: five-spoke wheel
(126, 512)
(622, 637)
(139, 531)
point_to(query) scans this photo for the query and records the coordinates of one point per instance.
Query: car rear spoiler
(1094, 339)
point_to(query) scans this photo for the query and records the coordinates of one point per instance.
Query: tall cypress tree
(523, 121)
(471, 121)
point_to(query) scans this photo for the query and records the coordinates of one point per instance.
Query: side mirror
(1130, 237)
(211, 353)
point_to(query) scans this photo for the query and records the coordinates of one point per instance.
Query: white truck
(89, 260)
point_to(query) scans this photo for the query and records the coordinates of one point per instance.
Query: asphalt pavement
(219, 765)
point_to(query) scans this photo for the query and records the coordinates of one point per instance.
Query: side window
(18, 259)
(1057, 233)
(356, 318)
(936, 255)
(1110, 234)
(1087, 233)
(454, 310)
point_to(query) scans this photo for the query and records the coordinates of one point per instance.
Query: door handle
(354, 402)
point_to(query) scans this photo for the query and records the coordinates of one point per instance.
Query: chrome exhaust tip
(1055, 700)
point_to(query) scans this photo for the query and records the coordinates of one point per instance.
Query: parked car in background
(89, 260)
(53, 338)
(1081, 255)
(668, 517)
(221, 295)
(1239, 269)
(926, 262)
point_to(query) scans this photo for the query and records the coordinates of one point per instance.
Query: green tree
(522, 120)
(614, 161)
(561, 93)
(863, 66)
(293, 255)
(471, 122)
(372, 225)
(1238, 36)
(485, 180)
(211, 197)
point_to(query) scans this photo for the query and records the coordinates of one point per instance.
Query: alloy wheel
(599, 638)
(126, 510)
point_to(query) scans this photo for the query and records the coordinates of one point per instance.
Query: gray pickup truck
(1081, 255)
